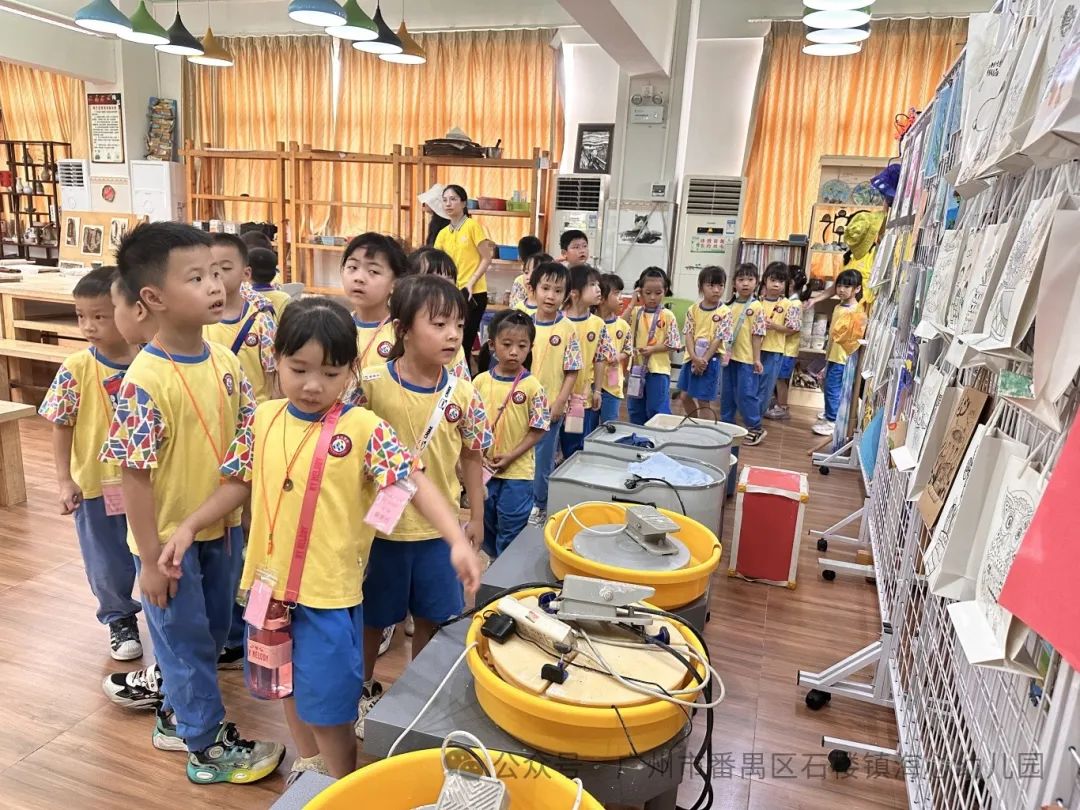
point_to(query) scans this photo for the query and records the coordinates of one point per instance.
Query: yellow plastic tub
(559, 728)
(414, 779)
(673, 588)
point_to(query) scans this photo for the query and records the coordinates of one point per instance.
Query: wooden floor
(62, 742)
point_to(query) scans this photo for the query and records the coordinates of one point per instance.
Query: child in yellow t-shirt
(518, 408)
(654, 333)
(370, 267)
(791, 346)
(705, 333)
(783, 318)
(440, 418)
(180, 406)
(429, 260)
(741, 387)
(611, 287)
(556, 362)
(597, 351)
(263, 266)
(528, 247)
(846, 329)
(245, 329)
(270, 462)
(80, 405)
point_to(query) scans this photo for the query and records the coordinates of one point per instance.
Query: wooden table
(37, 313)
(12, 477)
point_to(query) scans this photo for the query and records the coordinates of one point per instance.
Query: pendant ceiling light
(102, 16)
(837, 5)
(214, 53)
(850, 18)
(322, 13)
(386, 42)
(832, 49)
(358, 26)
(839, 35)
(144, 28)
(411, 52)
(181, 42)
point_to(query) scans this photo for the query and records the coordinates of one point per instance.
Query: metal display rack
(969, 736)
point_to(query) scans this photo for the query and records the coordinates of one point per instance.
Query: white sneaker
(315, 764)
(410, 626)
(367, 702)
(823, 427)
(387, 637)
(537, 517)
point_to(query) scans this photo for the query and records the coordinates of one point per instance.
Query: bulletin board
(93, 236)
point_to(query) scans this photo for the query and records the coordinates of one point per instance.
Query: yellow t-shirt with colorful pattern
(781, 312)
(596, 347)
(846, 329)
(275, 295)
(83, 396)
(408, 408)
(707, 324)
(619, 332)
(256, 352)
(364, 456)
(666, 332)
(512, 416)
(743, 328)
(556, 351)
(791, 344)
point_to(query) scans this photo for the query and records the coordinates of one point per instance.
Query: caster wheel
(816, 699)
(708, 616)
(823, 470)
(828, 576)
(839, 760)
(822, 544)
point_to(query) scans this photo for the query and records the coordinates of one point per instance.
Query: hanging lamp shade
(181, 42)
(837, 5)
(411, 52)
(358, 26)
(386, 42)
(322, 13)
(102, 16)
(214, 53)
(144, 28)
(839, 35)
(843, 18)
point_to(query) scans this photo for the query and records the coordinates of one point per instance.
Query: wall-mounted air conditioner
(74, 180)
(157, 190)
(708, 229)
(579, 205)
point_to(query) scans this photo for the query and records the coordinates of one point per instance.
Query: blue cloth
(328, 664)
(787, 368)
(545, 463)
(188, 636)
(506, 511)
(657, 399)
(238, 543)
(741, 390)
(668, 469)
(770, 362)
(834, 386)
(570, 443)
(109, 565)
(704, 387)
(733, 472)
(610, 408)
(410, 576)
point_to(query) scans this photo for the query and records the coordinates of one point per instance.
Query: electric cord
(598, 532)
(471, 753)
(662, 693)
(556, 585)
(580, 793)
(637, 479)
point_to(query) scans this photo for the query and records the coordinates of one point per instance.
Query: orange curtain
(491, 84)
(39, 105)
(810, 106)
(280, 89)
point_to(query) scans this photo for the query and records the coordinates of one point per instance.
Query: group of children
(225, 446)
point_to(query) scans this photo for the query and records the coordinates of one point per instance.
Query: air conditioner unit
(157, 190)
(708, 229)
(579, 205)
(74, 179)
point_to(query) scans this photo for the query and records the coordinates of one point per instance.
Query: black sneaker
(231, 658)
(754, 437)
(140, 689)
(124, 642)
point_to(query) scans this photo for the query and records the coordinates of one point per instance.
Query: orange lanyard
(375, 334)
(287, 484)
(195, 403)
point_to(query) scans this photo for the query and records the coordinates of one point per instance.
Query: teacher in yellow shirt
(467, 244)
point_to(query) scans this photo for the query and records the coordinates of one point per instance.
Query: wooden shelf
(317, 246)
(232, 198)
(485, 213)
(341, 204)
(62, 325)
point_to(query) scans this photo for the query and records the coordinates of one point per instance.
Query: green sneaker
(230, 759)
(165, 736)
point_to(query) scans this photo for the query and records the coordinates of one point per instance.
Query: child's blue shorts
(410, 576)
(705, 386)
(787, 368)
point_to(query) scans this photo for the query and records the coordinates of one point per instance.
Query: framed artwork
(117, 229)
(593, 154)
(92, 236)
(71, 231)
(105, 116)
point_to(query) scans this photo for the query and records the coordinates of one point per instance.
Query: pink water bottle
(269, 653)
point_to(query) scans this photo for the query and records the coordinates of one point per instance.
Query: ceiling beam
(637, 34)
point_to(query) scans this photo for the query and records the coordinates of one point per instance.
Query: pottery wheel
(621, 551)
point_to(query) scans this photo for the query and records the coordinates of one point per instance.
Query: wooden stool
(12, 478)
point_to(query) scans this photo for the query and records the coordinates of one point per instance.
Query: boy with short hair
(134, 320)
(741, 387)
(575, 247)
(181, 404)
(611, 399)
(556, 361)
(846, 328)
(246, 327)
(80, 405)
(263, 266)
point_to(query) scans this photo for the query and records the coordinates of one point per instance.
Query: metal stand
(834, 680)
(845, 457)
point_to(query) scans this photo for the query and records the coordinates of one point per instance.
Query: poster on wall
(117, 229)
(71, 231)
(641, 228)
(106, 127)
(92, 236)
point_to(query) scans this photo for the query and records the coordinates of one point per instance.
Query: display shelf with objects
(977, 397)
(762, 252)
(30, 199)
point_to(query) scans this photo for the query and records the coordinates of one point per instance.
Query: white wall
(714, 140)
(49, 47)
(654, 23)
(591, 84)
